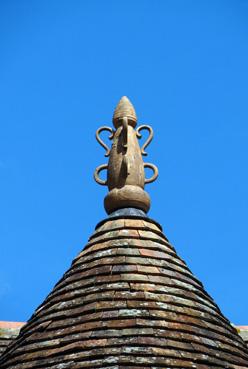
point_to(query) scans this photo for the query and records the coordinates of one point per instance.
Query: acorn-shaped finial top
(123, 109)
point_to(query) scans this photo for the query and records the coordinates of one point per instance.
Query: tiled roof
(128, 301)
(8, 331)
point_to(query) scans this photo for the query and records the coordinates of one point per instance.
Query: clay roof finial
(125, 169)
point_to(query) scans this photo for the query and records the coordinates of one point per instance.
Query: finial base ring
(127, 196)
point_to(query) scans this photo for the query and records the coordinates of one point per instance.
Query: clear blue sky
(63, 67)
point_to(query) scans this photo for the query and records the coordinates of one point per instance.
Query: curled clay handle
(96, 174)
(101, 129)
(155, 174)
(150, 137)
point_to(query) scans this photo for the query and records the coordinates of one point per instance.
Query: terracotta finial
(125, 169)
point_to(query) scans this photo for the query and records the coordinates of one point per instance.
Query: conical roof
(127, 301)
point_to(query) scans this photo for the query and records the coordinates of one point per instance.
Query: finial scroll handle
(96, 174)
(150, 137)
(155, 172)
(101, 129)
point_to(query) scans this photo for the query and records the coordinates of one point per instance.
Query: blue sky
(63, 67)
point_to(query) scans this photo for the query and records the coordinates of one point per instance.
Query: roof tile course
(128, 301)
